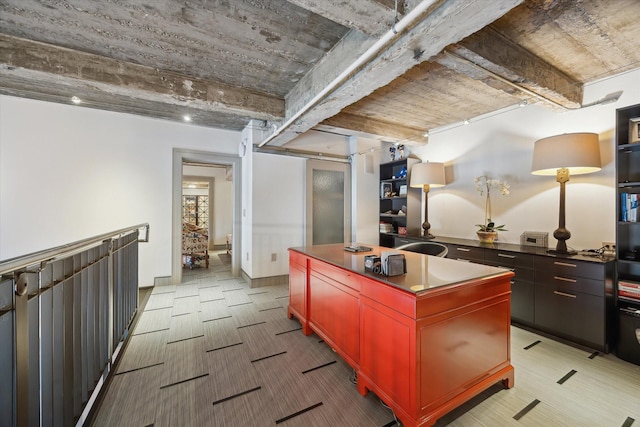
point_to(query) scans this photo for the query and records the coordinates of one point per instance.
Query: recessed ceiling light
(186, 118)
(76, 100)
(466, 122)
(426, 134)
(523, 103)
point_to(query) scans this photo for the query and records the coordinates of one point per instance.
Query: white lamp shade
(431, 173)
(578, 152)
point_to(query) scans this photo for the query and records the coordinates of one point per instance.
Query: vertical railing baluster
(63, 317)
(7, 351)
(22, 350)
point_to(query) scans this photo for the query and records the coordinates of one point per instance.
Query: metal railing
(64, 313)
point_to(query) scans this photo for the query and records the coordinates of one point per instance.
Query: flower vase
(487, 236)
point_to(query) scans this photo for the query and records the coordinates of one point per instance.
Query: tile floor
(214, 352)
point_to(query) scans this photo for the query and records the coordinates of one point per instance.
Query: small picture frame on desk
(634, 130)
(385, 189)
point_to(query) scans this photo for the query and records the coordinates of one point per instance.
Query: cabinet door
(522, 300)
(334, 313)
(574, 315)
(388, 351)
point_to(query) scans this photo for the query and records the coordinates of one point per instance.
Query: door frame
(210, 192)
(181, 156)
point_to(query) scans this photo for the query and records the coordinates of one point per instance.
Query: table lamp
(562, 155)
(427, 175)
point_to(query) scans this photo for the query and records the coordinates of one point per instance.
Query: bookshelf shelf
(629, 147)
(627, 232)
(394, 179)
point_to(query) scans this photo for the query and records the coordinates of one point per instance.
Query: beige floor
(213, 352)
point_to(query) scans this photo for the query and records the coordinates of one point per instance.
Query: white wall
(278, 214)
(501, 146)
(365, 173)
(68, 172)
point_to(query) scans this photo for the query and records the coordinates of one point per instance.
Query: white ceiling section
(358, 68)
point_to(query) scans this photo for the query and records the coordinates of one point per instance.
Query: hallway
(214, 352)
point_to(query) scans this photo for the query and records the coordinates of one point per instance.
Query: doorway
(219, 171)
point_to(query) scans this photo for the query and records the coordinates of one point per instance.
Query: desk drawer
(338, 274)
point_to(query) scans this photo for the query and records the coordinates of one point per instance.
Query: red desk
(424, 342)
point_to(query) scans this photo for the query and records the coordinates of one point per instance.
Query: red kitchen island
(424, 342)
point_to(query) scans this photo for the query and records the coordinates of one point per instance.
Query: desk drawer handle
(463, 249)
(564, 279)
(565, 264)
(564, 294)
(507, 268)
(462, 259)
(403, 241)
(506, 256)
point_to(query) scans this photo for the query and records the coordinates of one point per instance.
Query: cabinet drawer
(521, 273)
(570, 268)
(569, 284)
(508, 259)
(466, 253)
(339, 275)
(580, 317)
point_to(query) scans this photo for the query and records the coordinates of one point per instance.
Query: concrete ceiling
(313, 68)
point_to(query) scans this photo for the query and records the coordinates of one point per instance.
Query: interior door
(328, 202)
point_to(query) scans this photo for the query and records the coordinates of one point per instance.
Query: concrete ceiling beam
(369, 17)
(129, 87)
(449, 23)
(489, 54)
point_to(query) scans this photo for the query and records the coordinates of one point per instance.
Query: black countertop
(510, 247)
(424, 272)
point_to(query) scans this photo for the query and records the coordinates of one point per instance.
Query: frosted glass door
(328, 207)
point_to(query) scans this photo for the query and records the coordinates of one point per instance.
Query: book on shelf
(629, 289)
(385, 227)
(629, 209)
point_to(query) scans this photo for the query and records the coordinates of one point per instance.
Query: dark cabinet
(522, 284)
(573, 299)
(575, 316)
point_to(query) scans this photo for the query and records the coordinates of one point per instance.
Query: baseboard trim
(162, 281)
(265, 281)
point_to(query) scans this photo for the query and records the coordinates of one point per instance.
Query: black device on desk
(358, 249)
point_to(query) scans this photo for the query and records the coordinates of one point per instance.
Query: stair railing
(64, 315)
